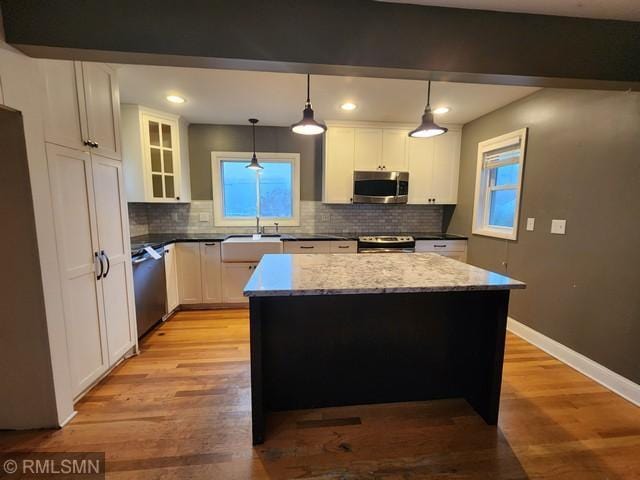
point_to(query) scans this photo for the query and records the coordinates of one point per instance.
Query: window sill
(490, 232)
(266, 222)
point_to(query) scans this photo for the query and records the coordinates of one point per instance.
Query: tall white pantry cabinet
(82, 135)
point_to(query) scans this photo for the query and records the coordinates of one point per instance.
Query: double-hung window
(241, 194)
(498, 185)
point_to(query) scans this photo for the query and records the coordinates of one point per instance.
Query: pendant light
(428, 128)
(308, 125)
(254, 165)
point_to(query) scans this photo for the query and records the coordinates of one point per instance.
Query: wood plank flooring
(182, 410)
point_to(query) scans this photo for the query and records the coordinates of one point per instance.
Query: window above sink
(240, 194)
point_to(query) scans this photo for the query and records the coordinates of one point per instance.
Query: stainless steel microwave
(380, 187)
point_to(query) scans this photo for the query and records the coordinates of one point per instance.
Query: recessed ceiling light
(348, 106)
(175, 99)
(441, 110)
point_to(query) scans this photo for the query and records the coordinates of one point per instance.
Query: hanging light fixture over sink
(428, 128)
(254, 165)
(308, 125)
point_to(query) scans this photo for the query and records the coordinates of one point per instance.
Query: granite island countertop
(336, 274)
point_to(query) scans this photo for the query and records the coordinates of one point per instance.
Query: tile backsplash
(315, 217)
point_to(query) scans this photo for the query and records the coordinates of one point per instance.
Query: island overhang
(340, 274)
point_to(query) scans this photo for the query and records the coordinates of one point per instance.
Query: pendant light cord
(254, 138)
(429, 94)
(308, 88)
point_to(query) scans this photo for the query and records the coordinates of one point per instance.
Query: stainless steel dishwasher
(150, 289)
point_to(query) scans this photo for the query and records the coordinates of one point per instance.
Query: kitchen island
(332, 329)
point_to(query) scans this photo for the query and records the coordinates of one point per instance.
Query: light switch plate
(558, 226)
(531, 224)
(204, 217)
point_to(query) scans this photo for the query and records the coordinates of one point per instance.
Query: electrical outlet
(531, 224)
(558, 226)
(325, 218)
(204, 217)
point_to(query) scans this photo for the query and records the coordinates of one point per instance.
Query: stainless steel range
(386, 244)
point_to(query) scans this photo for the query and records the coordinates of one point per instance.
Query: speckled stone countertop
(338, 274)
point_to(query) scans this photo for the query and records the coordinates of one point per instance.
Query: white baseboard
(605, 377)
(69, 418)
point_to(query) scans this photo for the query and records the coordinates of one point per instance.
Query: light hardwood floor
(182, 410)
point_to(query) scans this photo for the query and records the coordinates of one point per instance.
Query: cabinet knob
(177, 198)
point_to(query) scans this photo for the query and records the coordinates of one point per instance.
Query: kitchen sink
(250, 235)
(246, 248)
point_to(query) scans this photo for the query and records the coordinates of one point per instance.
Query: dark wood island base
(316, 351)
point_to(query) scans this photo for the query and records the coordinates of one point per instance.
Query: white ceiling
(232, 96)
(607, 9)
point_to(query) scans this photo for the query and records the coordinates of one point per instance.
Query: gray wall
(203, 139)
(582, 164)
(27, 396)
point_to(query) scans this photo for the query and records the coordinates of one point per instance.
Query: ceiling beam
(342, 37)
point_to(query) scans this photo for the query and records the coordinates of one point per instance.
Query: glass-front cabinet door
(162, 154)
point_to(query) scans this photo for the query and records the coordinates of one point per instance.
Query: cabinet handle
(209, 244)
(384, 167)
(304, 246)
(108, 264)
(177, 198)
(99, 259)
(439, 246)
(95, 145)
(87, 143)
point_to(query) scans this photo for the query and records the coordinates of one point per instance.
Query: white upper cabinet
(155, 156)
(337, 185)
(434, 165)
(394, 149)
(446, 167)
(82, 109)
(420, 153)
(102, 101)
(63, 121)
(368, 149)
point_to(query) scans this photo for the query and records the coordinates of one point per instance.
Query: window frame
(484, 187)
(219, 220)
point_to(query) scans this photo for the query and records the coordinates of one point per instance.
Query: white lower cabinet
(92, 237)
(171, 275)
(189, 273)
(211, 272)
(321, 246)
(234, 277)
(310, 246)
(198, 273)
(456, 249)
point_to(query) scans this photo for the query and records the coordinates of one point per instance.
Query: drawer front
(307, 247)
(441, 245)
(344, 246)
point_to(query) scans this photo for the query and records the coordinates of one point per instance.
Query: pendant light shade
(308, 125)
(428, 128)
(254, 165)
